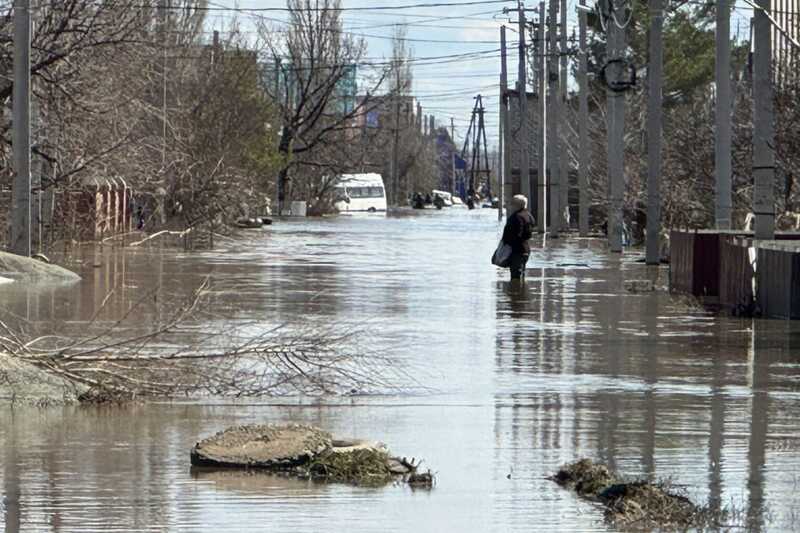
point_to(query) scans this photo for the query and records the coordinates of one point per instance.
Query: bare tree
(192, 354)
(316, 64)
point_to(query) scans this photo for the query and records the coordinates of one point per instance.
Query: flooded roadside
(523, 382)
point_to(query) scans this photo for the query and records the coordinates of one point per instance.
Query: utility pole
(583, 126)
(453, 185)
(486, 170)
(553, 117)
(522, 87)
(542, 204)
(616, 123)
(654, 75)
(396, 142)
(504, 137)
(563, 166)
(21, 133)
(722, 133)
(453, 130)
(165, 5)
(763, 126)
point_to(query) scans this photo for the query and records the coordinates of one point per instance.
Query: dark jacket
(519, 228)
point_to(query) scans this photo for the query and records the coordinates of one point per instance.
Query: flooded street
(520, 382)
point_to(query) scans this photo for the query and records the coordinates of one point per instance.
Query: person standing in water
(518, 230)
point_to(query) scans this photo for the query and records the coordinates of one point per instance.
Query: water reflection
(572, 365)
(649, 390)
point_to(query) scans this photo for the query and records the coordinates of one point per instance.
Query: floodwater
(521, 381)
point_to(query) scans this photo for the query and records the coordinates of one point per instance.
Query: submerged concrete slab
(262, 446)
(19, 268)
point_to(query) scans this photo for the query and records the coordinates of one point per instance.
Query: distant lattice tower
(786, 55)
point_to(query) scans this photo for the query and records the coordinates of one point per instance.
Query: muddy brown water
(524, 381)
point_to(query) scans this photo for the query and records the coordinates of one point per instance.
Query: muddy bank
(25, 269)
(637, 504)
(23, 383)
(306, 452)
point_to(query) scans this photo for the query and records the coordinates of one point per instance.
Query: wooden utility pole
(763, 126)
(553, 116)
(21, 131)
(504, 129)
(541, 166)
(615, 127)
(522, 88)
(722, 119)
(583, 126)
(654, 77)
(563, 161)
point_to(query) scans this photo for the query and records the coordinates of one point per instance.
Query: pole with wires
(614, 72)
(541, 163)
(722, 130)
(21, 131)
(654, 75)
(553, 116)
(522, 88)
(583, 126)
(763, 126)
(563, 162)
(504, 148)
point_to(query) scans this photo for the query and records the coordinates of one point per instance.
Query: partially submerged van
(360, 192)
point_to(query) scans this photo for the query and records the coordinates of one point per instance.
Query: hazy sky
(446, 88)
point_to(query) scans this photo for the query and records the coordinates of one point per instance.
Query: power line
(324, 9)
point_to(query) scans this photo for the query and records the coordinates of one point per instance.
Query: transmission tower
(475, 139)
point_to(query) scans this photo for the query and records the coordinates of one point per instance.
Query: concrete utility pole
(763, 126)
(583, 126)
(563, 166)
(722, 133)
(616, 124)
(21, 131)
(654, 83)
(395, 144)
(522, 87)
(164, 5)
(541, 163)
(504, 129)
(554, 115)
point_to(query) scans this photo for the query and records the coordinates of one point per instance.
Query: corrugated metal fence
(742, 275)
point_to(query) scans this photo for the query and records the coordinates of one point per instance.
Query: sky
(445, 88)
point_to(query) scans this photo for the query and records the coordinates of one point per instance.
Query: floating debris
(639, 285)
(307, 452)
(364, 466)
(584, 477)
(632, 504)
(424, 480)
(642, 503)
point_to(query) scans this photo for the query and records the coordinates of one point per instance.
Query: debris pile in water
(365, 466)
(637, 504)
(306, 452)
